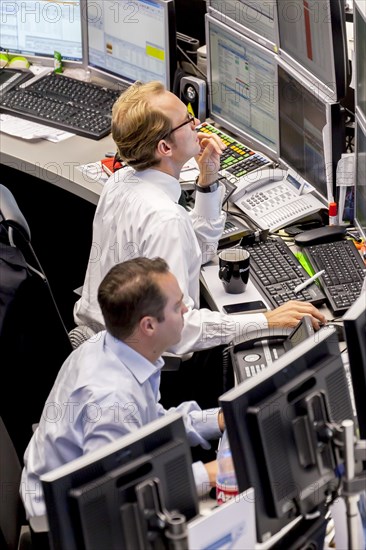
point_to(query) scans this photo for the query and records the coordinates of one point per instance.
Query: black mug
(234, 269)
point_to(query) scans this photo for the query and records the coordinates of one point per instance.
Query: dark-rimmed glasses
(190, 120)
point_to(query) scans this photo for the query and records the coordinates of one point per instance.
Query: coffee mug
(234, 269)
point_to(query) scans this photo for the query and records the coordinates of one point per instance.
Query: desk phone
(256, 354)
(275, 198)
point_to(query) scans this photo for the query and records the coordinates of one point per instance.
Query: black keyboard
(56, 100)
(344, 272)
(237, 159)
(275, 271)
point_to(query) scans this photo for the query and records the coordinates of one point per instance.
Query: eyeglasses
(190, 120)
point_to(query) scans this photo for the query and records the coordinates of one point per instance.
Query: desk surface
(57, 163)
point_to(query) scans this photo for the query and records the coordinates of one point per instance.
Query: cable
(191, 62)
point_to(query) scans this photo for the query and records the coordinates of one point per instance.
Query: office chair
(15, 532)
(12, 516)
(33, 339)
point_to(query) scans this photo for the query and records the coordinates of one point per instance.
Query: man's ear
(164, 149)
(147, 325)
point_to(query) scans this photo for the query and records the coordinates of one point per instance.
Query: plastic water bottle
(226, 483)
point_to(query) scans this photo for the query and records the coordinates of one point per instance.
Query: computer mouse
(326, 234)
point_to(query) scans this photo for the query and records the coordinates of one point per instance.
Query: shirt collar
(166, 183)
(139, 366)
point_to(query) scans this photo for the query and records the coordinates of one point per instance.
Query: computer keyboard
(344, 272)
(237, 159)
(72, 105)
(275, 271)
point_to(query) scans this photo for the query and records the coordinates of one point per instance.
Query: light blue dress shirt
(103, 391)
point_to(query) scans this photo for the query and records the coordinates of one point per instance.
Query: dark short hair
(129, 292)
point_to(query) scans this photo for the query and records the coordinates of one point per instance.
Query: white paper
(25, 129)
(229, 526)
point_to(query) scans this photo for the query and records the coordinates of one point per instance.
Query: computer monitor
(36, 29)
(311, 131)
(256, 18)
(132, 40)
(312, 37)
(278, 433)
(355, 329)
(242, 86)
(94, 501)
(360, 177)
(359, 25)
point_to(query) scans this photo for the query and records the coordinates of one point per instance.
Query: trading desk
(56, 163)
(58, 201)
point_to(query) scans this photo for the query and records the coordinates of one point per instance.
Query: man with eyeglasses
(138, 214)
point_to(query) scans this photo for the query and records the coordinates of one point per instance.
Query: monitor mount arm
(166, 530)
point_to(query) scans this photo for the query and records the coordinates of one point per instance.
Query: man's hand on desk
(211, 468)
(290, 313)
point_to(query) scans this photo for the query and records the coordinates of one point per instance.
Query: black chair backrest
(11, 509)
(33, 339)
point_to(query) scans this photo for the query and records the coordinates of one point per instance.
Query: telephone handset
(274, 198)
(268, 335)
(254, 355)
(255, 180)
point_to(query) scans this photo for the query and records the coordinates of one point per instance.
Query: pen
(308, 281)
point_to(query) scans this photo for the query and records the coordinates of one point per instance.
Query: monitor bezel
(171, 50)
(335, 132)
(360, 124)
(359, 14)
(236, 130)
(291, 368)
(244, 29)
(57, 483)
(340, 57)
(49, 60)
(354, 321)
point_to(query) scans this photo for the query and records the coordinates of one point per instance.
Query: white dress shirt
(103, 391)
(138, 215)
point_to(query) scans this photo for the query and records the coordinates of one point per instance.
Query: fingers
(212, 141)
(289, 314)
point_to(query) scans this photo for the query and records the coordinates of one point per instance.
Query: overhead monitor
(278, 433)
(256, 18)
(37, 28)
(359, 25)
(242, 86)
(311, 131)
(132, 40)
(102, 499)
(360, 177)
(312, 37)
(355, 328)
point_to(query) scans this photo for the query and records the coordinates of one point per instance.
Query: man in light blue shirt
(109, 386)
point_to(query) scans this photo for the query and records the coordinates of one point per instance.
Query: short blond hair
(137, 127)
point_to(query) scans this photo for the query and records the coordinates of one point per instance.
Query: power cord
(190, 61)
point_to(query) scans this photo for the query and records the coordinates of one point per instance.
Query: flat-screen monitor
(312, 37)
(359, 25)
(311, 132)
(256, 18)
(278, 433)
(132, 40)
(360, 177)
(37, 28)
(355, 329)
(242, 86)
(102, 499)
